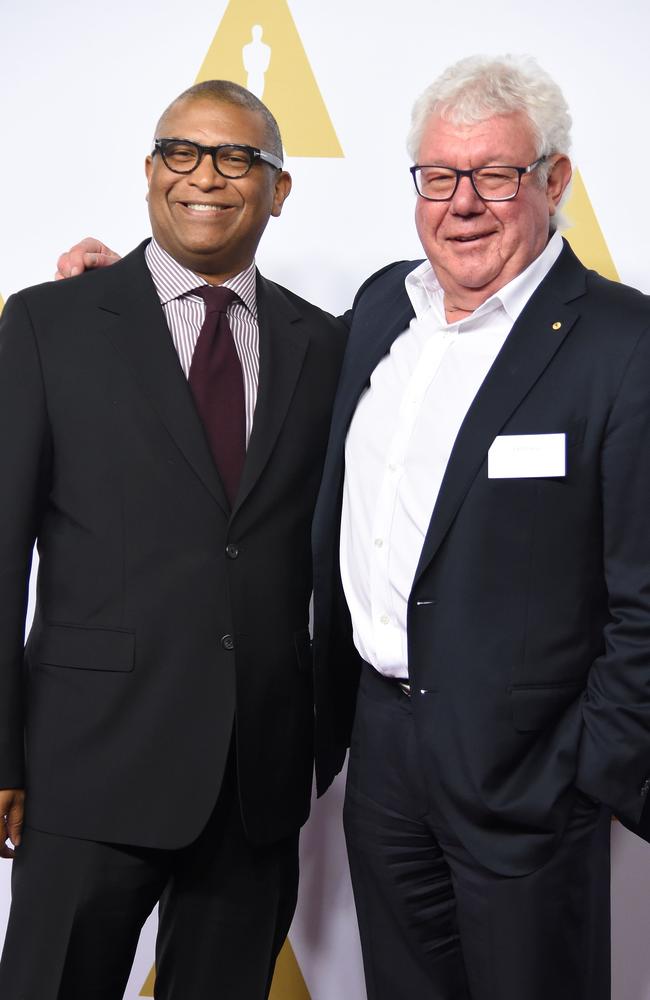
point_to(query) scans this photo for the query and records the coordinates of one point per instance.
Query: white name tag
(522, 456)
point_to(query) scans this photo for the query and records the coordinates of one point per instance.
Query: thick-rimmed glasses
(492, 183)
(231, 160)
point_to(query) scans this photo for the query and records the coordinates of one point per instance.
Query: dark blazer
(162, 619)
(529, 616)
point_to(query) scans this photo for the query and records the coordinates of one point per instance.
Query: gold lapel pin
(557, 325)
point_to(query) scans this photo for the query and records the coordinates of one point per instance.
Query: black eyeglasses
(492, 183)
(231, 160)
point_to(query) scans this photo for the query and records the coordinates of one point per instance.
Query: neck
(460, 306)
(217, 275)
(455, 313)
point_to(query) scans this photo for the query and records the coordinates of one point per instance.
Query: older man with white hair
(490, 443)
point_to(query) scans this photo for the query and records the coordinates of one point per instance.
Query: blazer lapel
(528, 349)
(283, 346)
(136, 326)
(372, 333)
(373, 337)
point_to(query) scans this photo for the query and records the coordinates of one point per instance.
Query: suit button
(232, 551)
(645, 788)
(227, 642)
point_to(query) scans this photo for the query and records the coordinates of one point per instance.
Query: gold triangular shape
(147, 988)
(288, 982)
(289, 87)
(585, 235)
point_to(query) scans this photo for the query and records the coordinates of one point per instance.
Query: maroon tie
(217, 385)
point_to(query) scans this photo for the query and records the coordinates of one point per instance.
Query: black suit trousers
(434, 922)
(225, 910)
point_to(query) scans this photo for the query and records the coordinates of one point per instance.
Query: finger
(100, 259)
(63, 267)
(5, 849)
(70, 263)
(88, 245)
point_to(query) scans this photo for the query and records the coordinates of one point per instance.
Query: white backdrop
(81, 86)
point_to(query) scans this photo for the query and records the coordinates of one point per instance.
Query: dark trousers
(78, 908)
(435, 924)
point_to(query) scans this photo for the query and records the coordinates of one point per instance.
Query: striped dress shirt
(185, 314)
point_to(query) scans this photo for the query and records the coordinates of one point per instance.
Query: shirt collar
(172, 280)
(425, 292)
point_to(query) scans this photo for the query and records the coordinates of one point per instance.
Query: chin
(474, 279)
(201, 251)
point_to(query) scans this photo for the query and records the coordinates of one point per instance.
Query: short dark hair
(227, 92)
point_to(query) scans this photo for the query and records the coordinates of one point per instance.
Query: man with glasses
(163, 425)
(490, 448)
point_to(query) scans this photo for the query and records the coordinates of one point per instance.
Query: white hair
(480, 87)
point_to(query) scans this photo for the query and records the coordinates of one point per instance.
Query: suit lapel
(374, 333)
(136, 326)
(283, 347)
(528, 349)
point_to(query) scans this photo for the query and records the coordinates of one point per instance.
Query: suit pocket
(539, 706)
(83, 648)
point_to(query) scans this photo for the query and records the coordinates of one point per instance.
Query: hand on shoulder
(84, 256)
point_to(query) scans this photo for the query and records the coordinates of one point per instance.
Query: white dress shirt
(185, 314)
(398, 446)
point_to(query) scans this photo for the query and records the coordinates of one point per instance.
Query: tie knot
(217, 298)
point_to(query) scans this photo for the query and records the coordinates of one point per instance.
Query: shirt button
(232, 551)
(392, 467)
(379, 542)
(384, 619)
(227, 642)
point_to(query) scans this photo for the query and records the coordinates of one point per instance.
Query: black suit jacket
(529, 615)
(161, 616)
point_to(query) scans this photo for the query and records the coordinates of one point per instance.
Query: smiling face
(207, 222)
(477, 247)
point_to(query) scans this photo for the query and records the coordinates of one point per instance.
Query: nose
(465, 200)
(206, 176)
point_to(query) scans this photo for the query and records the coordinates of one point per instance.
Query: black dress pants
(435, 924)
(78, 908)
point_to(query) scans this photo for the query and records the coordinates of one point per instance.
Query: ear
(558, 178)
(148, 167)
(280, 191)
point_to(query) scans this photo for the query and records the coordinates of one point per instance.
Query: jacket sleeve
(348, 315)
(24, 470)
(614, 757)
